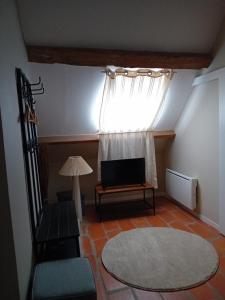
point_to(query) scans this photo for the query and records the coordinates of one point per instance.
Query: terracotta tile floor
(119, 218)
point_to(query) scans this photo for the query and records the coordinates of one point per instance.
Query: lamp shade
(75, 166)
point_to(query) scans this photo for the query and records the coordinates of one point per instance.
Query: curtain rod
(144, 72)
(127, 132)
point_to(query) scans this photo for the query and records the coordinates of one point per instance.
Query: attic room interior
(90, 89)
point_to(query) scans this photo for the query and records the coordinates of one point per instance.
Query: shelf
(84, 138)
(126, 188)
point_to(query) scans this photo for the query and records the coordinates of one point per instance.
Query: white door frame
(220, 76)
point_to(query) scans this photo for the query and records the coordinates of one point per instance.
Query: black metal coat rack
(28, 121)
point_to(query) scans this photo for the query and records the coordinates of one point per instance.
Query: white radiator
(181, 188)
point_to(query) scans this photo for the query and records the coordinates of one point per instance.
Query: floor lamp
(74, 167)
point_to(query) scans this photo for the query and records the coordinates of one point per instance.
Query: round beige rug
(160, 259)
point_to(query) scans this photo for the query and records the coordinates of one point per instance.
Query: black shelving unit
(52, 224)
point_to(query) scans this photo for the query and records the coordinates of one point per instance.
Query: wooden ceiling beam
(123, 58)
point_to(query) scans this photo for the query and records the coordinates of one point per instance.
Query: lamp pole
(76, 197)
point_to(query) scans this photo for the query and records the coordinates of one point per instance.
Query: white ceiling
(155, 25)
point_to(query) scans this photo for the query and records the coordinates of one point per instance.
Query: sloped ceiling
(154, 25)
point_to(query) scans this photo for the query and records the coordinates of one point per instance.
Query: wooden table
(100, 191)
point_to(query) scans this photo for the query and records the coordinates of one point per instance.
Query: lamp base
(77, 198)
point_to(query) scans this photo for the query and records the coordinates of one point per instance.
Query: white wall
(218, 63)
(71, 105)
(72, 99)
(177, 95)
(195, 151)
(13, 54)
(8, 273)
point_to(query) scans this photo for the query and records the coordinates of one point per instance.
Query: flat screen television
(122, 172)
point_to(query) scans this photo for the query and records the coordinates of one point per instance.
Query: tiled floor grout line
(144, 221)
(134, 294)
(112, 292)
(161, 296)
(215, 292)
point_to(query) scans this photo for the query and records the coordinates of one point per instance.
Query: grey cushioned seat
(67, 279)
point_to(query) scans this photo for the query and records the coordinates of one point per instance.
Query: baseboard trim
(209, 222)
(193, 213)
(124, 198)
(160, 194)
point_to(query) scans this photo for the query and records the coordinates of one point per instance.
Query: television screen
(122, 172)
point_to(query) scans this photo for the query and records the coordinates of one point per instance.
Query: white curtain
(131, 102)
(129, 145)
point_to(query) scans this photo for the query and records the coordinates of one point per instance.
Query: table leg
(41, 251)
(99, 207)
(153, 200)
(96, 206)
(77, 246)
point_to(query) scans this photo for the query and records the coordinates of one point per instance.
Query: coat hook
(38, 89)
(37, 83)
(42, 92)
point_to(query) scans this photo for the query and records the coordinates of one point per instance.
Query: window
(132, 99)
